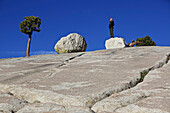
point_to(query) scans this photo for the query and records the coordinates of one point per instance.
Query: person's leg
(111, 32)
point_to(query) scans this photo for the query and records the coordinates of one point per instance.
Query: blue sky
(90, 18)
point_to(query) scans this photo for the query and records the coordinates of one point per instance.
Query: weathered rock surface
(71, 43)
(99, 81)
(150, 96)
(10, 104)
(52, 108)
(116, 42)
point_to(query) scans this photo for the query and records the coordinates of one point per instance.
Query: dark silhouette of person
(111, 27)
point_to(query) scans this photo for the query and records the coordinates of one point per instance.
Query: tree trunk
(28, 46)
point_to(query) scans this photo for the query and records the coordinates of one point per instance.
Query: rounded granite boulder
(116, 42)
(71, 43)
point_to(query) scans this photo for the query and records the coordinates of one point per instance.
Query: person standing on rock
(111, 27)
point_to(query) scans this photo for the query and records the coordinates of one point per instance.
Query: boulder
(71, 43)
(115, 43)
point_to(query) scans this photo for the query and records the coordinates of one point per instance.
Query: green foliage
(145, 41)
(30, 24)
(143, 74)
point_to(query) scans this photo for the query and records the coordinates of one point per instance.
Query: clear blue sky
(89, 18)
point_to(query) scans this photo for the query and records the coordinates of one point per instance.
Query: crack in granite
(96, 98)
(43, 68)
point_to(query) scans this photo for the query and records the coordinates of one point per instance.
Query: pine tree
(27, 26)
(145, 41)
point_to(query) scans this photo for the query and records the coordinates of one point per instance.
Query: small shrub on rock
(145, 41)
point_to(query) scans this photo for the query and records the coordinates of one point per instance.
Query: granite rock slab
(81, 80)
